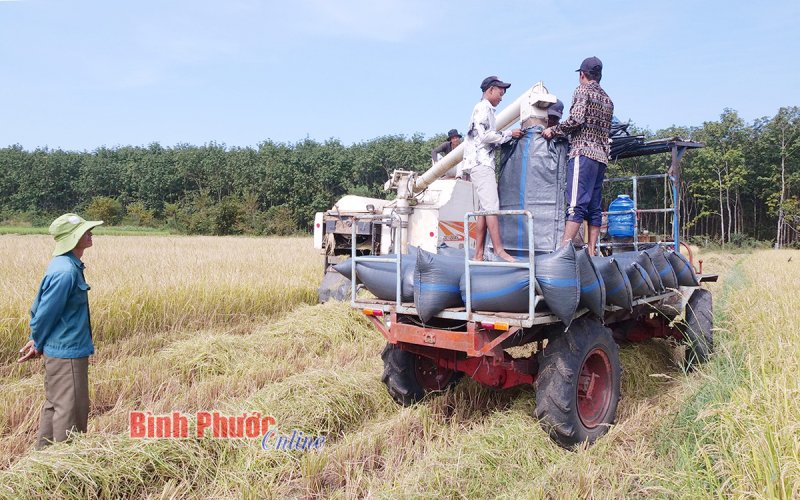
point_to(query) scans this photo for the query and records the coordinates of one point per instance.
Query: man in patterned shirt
(588, 126)
(479, 148)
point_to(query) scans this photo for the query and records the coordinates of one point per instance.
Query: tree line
(743, 185)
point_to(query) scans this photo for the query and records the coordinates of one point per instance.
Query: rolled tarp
(593, 290)
(684, 272)
(436, 283)
(618, 286)
(380, 278)
(645, 262)
(662, 266)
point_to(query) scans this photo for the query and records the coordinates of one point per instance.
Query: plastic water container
(621, 225)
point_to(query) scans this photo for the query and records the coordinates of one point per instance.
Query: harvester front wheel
(578, 386)
(697, 328)
(409, 377)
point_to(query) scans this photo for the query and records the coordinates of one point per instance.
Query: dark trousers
(585, 190)
(66, 410)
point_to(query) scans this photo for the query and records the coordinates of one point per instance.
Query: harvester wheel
(578, 386)
(697, 328)
(409, 377)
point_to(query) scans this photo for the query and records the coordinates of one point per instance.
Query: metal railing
(396, 222)
(530, 265)
(636, 211)
(380, 219)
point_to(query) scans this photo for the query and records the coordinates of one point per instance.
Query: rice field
(230, 324)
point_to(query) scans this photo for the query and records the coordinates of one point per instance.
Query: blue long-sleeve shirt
(60, 326)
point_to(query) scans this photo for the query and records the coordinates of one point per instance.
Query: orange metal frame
(476, 352)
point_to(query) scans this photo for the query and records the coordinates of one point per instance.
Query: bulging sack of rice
(683, 269)
(646, 263)
(559, 280)
(436, 283)
(641, 286)
(380, 278)
(593, 290)
(618, 286)
(497, 289)
(662, 266)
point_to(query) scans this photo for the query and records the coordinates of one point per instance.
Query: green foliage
(138, 215)
(105, 209)
(741, 240)
(228, 216)
(279, 221)
(196, 214)
(745, 179)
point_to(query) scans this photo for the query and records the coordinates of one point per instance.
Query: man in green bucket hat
(61, 332)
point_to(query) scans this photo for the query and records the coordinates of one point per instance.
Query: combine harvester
(445, 316)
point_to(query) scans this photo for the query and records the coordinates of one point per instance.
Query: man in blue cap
(61, 332)
(588, 127)
(554, 113)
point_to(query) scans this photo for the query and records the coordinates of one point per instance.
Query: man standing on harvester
(479, 147)
(444, 149)
(588, 127)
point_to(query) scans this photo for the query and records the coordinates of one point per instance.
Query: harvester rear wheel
(578, 386)
(409, 377)
(697, 328)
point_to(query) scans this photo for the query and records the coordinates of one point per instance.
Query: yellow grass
(729, 429)
(154, 284)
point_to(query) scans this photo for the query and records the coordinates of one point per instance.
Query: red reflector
(318, 224)
(431, 234)
(502, 326)
(373, 312)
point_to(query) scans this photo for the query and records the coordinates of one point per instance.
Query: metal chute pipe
(503, 120)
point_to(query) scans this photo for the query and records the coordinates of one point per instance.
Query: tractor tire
(697, 328)
(409, 377)
(578, 385)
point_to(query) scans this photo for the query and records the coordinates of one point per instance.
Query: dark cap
(591, 65)
(493, 81)
(453, 133)
(556, 109)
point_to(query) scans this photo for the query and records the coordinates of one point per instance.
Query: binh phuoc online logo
(215, 425)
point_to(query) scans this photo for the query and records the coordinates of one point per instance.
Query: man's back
(589, 122)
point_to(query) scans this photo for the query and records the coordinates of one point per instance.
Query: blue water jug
(621, 226)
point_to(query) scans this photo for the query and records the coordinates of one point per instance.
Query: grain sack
(662, 266)
(683, 269)
(380, 278)
(646, 263)
(436, 283)
(618, 286)
(593, 290)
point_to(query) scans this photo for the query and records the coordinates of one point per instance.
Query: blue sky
(82, 74)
